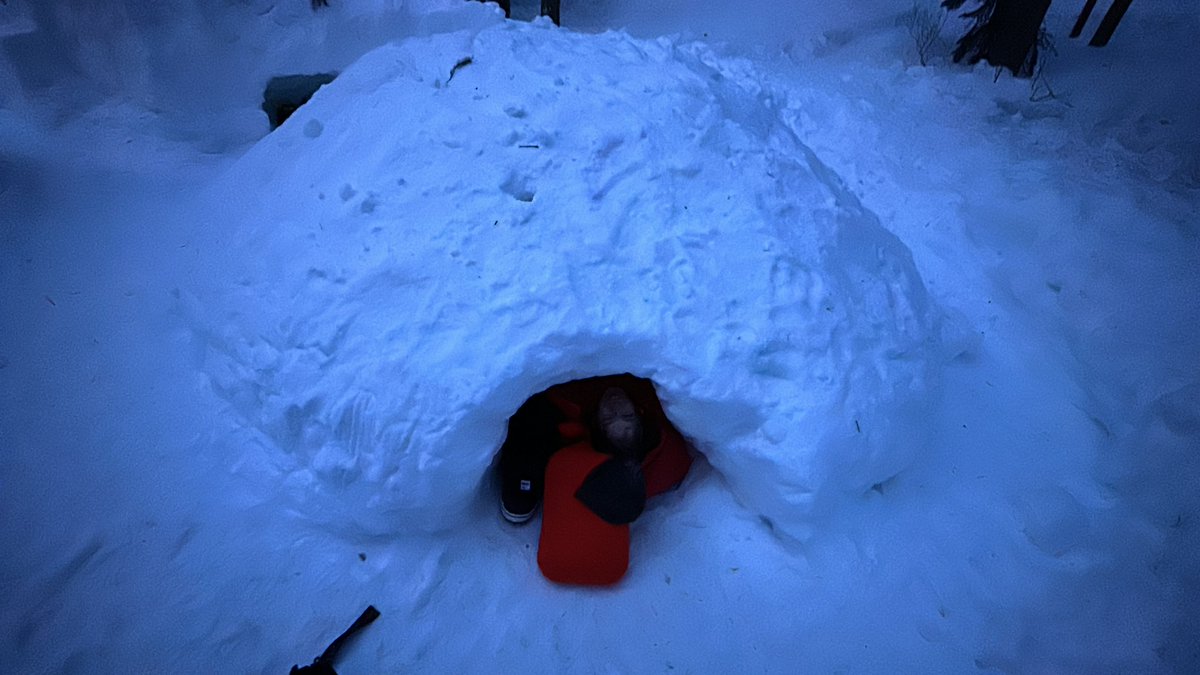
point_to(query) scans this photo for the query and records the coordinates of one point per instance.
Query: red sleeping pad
(576, 545)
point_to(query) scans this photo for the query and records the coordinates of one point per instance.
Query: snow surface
(933, 340)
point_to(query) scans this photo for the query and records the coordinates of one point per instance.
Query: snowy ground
(934, 340)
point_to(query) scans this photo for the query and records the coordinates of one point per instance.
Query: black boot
(532, 438)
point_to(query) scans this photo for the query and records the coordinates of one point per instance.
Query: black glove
(615, 491)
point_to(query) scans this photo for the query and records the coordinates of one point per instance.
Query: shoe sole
(515, 518)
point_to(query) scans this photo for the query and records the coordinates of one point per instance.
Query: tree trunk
(1005, 34)
(550, 8)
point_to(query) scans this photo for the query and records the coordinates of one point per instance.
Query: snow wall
(462, 220)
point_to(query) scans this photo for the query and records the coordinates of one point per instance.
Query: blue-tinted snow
(248, 388)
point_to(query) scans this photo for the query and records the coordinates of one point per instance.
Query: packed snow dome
(930, 334)
(520, 206)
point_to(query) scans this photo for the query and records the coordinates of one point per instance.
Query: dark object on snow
(615, 491)
(286, 93)
(1084, 15)
(1109, 24)
(532, 438)
(318, 4)
(1004, 33)
(323, 664)
(550, 8)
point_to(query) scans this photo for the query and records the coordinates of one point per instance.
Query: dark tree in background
(1004, 33)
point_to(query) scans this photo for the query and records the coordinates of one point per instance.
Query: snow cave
(685, 235)
(255, 380)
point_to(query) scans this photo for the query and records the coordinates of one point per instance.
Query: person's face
(618, 419)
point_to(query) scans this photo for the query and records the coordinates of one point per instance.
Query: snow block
(576, 546)
(565, 205)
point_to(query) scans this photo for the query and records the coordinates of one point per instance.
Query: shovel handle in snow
(1077, 29)
(1109, 23)
(323, 665)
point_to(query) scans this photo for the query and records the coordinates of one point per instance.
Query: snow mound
(462, 220)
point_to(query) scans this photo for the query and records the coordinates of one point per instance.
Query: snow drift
(663, 222)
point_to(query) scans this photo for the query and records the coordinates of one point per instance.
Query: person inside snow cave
(591, 452)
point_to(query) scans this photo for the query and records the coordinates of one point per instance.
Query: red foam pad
(576, 546)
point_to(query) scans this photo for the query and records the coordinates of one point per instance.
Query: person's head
(618, 421)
